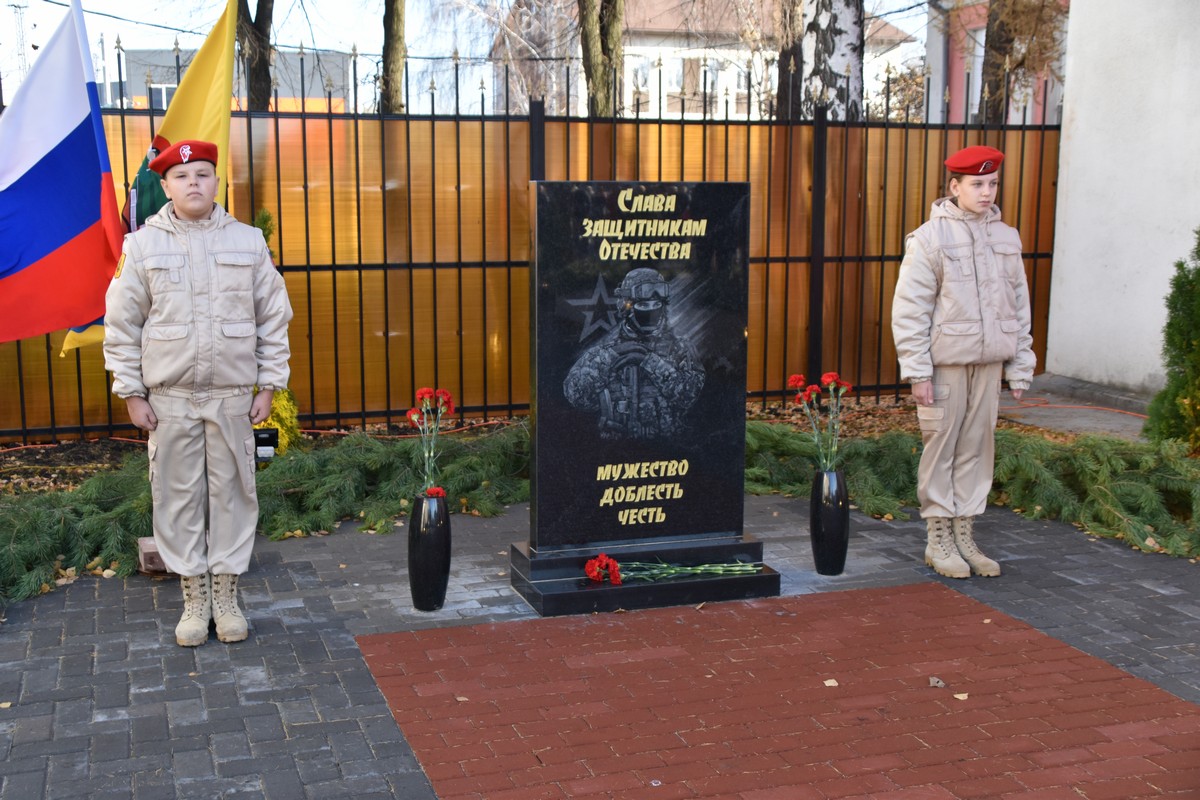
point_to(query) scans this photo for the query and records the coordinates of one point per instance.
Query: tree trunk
(395, 51)
(833, 57)
(254, 36)
(997, 46)
(789, 92)
(600, 31)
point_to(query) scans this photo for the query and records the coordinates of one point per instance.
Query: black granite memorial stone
(638, 298)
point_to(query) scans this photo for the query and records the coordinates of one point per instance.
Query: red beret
(977, 160)
(184, 152)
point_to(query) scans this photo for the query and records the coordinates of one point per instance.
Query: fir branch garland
(1147, 495)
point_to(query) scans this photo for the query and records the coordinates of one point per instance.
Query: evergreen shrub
(1175, 411)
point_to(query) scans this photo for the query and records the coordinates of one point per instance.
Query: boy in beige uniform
(196, 317)
(961, 321)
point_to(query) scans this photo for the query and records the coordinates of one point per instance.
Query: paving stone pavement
(104, 705)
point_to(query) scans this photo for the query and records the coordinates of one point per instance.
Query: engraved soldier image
(641, 377)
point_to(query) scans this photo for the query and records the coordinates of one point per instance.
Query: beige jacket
(962, 298)
(196, 306)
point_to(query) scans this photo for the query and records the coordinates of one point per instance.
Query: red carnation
(414, 417)
(830, 379)
(844, 386)
(795, 382)
(811, 393)
(445, 401)
(424, 394)
(435, 491)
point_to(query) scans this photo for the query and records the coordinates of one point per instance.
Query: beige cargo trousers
(202, 479)
(959, 459)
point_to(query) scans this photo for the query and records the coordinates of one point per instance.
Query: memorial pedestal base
(554, 583)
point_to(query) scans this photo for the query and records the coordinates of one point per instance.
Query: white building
(1127, 200)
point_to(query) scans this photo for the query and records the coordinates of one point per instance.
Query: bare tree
(254, 37)
(601, 30)
(833, 57)
(534, 41)
(391, 79)
(1023, 44)
(905, 98)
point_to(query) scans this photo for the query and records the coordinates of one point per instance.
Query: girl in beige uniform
(196, 317)
(961, 322)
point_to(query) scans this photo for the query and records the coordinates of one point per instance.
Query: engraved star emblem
(598, 310)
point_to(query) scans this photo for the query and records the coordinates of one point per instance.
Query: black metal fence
(404, 243)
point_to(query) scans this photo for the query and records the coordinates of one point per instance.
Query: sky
(326, 24)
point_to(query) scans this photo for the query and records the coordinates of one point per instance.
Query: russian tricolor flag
(60, 229)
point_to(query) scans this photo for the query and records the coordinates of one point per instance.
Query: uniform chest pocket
(958, 263)
(1008, 257)
(235, 271)
(164, 273)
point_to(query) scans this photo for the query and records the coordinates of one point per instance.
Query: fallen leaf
(6, 705)
(700, 607)
(987, 621)
(962, 696)
(341, 566)
(831, 682)
(936, 682)
(462, 699)
(109, 573)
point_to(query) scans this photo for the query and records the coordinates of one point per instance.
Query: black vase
(429, 552)
(829, 521)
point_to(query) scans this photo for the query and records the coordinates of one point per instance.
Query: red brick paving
(728, 700)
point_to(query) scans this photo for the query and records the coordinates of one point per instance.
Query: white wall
(1129, 186)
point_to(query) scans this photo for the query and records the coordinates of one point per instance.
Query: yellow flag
(200, 110)
(201, 105)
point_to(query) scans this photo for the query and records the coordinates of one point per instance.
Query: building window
(160, 95)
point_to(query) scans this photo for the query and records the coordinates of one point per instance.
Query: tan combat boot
(231, 625)
(964, 541)
(940, 552)
(192, 629)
